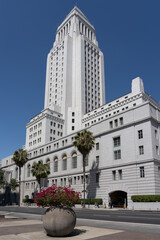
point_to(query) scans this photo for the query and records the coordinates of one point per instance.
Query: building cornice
(106, 108)
(148, 98)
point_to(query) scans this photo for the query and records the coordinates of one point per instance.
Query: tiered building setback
(75, 81)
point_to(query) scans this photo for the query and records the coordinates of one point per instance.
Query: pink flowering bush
(57, 196)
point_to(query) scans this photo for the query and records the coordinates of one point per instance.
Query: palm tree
(20, 158)
(40, 170)
(13, 184)
(84, 141)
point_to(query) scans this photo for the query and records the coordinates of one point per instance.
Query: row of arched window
(56, 163)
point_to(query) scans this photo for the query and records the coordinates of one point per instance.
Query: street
(147, 217)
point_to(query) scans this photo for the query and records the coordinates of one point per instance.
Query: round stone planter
(59, 221)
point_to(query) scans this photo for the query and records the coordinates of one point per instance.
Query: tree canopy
(40, 170)
(84, 141)
(20, 157)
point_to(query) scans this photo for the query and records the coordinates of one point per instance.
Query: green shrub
(29, 200)
(90, 201)
(145, 198)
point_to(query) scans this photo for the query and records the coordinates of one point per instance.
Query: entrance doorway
(118, 199)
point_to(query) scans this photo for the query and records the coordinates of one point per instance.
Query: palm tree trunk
(19, 186)
(84, 178)
(39, 184)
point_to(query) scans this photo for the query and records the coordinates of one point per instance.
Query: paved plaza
(14, 228)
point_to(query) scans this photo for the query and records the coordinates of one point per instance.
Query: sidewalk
(24, 229)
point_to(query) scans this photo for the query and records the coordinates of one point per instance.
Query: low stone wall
(144, 206)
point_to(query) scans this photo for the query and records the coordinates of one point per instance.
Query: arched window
(74, 160)
(64, 162)
(56, 164)
(28, 170)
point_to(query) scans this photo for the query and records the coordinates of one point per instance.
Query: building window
(72, 120)
(111, 124)
(120, 174)
(61, 182)
(142, 173)
(81, 179)
(117, 141)
(157, 150)
(56, 164)
(97, 177)
(64, 162)
(140, 134)
(116, 122)
(159, 172)
(72, 127)
(87, 179)
(28, 170)
(97, 146)
(117, 148)
(121, 121)
(74, 181)
(156, 135)
(70, 180)
(56, 182)
(72, 114)
(117, 154)
(114, 175)
(74, 160)
(141, 150)
(97, 161)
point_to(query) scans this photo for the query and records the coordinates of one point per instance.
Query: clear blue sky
(128, 33)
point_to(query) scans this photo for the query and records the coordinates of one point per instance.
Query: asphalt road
(128, 216)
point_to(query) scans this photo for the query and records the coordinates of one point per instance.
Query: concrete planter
(59, 221)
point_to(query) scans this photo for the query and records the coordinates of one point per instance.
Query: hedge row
(145, 198)
(90, 201)
(29, 200)
(87, 201)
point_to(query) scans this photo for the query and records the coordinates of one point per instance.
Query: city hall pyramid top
(77, 12)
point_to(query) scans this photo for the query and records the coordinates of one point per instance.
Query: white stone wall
(129, 163)
(145, 206)
(40, 131)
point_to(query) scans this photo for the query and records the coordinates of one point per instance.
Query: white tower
(75, 71)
